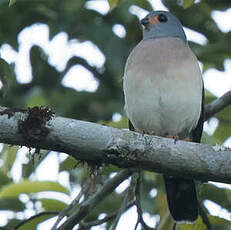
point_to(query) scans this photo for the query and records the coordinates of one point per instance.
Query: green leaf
(30, 187)
(9, 154)
(33, 222)
(209, 97)
(68, 164)
(209, 140)
(162, 204)
(143, 4)
(27, 169)
(199, 225)
(52, 205)
(34, 161)
(108, 169)
(6, 75)
(12, 2)
(4, 178)
(223, 131)
(11, 204)
(221, 196)
(187, 3)
(108, 205)
(113, 3)
(36, 97)
(166, 222)
(123, 123)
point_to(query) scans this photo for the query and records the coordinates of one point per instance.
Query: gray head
(159, 24)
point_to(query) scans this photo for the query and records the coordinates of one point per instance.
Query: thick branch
(217, 105)
(100, 144)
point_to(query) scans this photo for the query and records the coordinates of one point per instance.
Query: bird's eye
(162, 18)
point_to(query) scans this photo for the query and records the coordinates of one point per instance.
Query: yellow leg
(187, 139)
(175, 137)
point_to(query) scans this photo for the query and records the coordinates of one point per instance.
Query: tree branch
(99, 144)
(217, 105)
(123, 207)
(105, 219)
(89, 204)
(204, 217)
(138, 206)
(65, 212)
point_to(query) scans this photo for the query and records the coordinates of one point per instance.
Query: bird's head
(158, 24)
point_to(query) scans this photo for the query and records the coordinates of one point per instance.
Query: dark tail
(182, 198)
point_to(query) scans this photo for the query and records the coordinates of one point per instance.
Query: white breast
(163, 87)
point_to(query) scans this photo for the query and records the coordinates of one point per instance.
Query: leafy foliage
(187, 3)
(80, 22)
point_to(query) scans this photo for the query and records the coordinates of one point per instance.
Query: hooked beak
(145, 22)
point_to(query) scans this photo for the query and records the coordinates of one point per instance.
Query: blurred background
(70, 56)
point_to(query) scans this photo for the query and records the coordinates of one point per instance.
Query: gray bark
(100, 144)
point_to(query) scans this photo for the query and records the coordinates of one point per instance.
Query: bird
(164, 96)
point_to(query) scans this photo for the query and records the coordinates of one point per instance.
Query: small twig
(84, 226)
(62, 214)
(122, 209)
(204, 217)
(95, 199)
(84, 190)
(33, 217)
(174, 226)
(138, 206)
(105, 219)
(137, 224)
(217, 105)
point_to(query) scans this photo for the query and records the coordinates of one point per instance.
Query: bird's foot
(175, 137)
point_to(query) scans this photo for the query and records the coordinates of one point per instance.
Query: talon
(175, 137)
